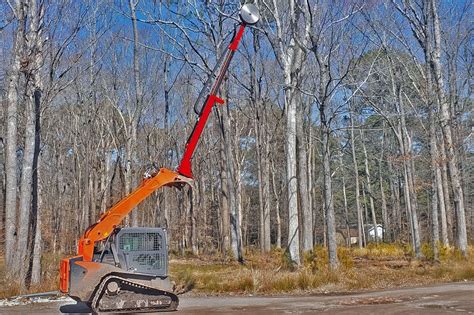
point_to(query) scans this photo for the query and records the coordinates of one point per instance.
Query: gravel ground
(436, 299)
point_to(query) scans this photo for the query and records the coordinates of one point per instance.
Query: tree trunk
(138, 104)
(37, 227)
(369, 189)
(85, 222)
(291, 169)
(435, 192)
(11, 145)
(266, 190)
(412, 209)
(446, 191)
(395, 201)
(225, 202)
(276, 193)
(327, 194)
(262, 148)
(94, 186)
(239, 194)
(36, 206)
(310, 171)
(386, 222)
(235, 224)
(263, 182)
(448, 138)
(344, 196)
(410, 191)
(21, 255)
(441, 188)
(365, 216)
(192, 217)
(104, 182)
(306, 215)
(28, 191)
(360, 224)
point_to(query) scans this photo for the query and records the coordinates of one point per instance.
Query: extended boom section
(184, 167)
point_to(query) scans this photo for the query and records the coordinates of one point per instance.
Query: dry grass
(375, 267)
(383, 251)
(50, 276)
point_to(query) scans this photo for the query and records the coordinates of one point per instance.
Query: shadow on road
(79, 308)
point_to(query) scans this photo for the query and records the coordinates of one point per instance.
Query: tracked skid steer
(125, 270)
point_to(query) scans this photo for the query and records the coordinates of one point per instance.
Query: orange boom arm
(112, 218)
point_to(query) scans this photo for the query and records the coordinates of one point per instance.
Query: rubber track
(101, 291)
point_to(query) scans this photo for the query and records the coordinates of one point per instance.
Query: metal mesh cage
(143, 250)
(139, 241)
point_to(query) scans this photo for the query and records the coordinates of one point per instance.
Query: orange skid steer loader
(122, 269)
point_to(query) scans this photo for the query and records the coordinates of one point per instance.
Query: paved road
(438, 299)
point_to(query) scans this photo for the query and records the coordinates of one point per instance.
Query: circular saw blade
(249, 14)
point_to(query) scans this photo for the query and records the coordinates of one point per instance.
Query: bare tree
(427, 31)
(134, 112)
(369, 190)
(290, 56)
(11, 145)
(28, 187)
(446, 122)
(331, 48)
(360, 218)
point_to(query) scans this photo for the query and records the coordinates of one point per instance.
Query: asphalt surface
(452, 298)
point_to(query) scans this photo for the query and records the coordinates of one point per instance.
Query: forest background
(340, 116)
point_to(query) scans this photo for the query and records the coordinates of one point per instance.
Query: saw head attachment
(249, 14)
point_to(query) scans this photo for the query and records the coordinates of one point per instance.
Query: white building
(374, 234)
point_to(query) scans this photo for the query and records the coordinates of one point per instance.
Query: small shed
(375, 233)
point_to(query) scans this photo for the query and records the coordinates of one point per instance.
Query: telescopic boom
(114, 216)
(248, 15)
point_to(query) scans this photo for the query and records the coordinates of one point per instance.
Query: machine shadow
(79, 308)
